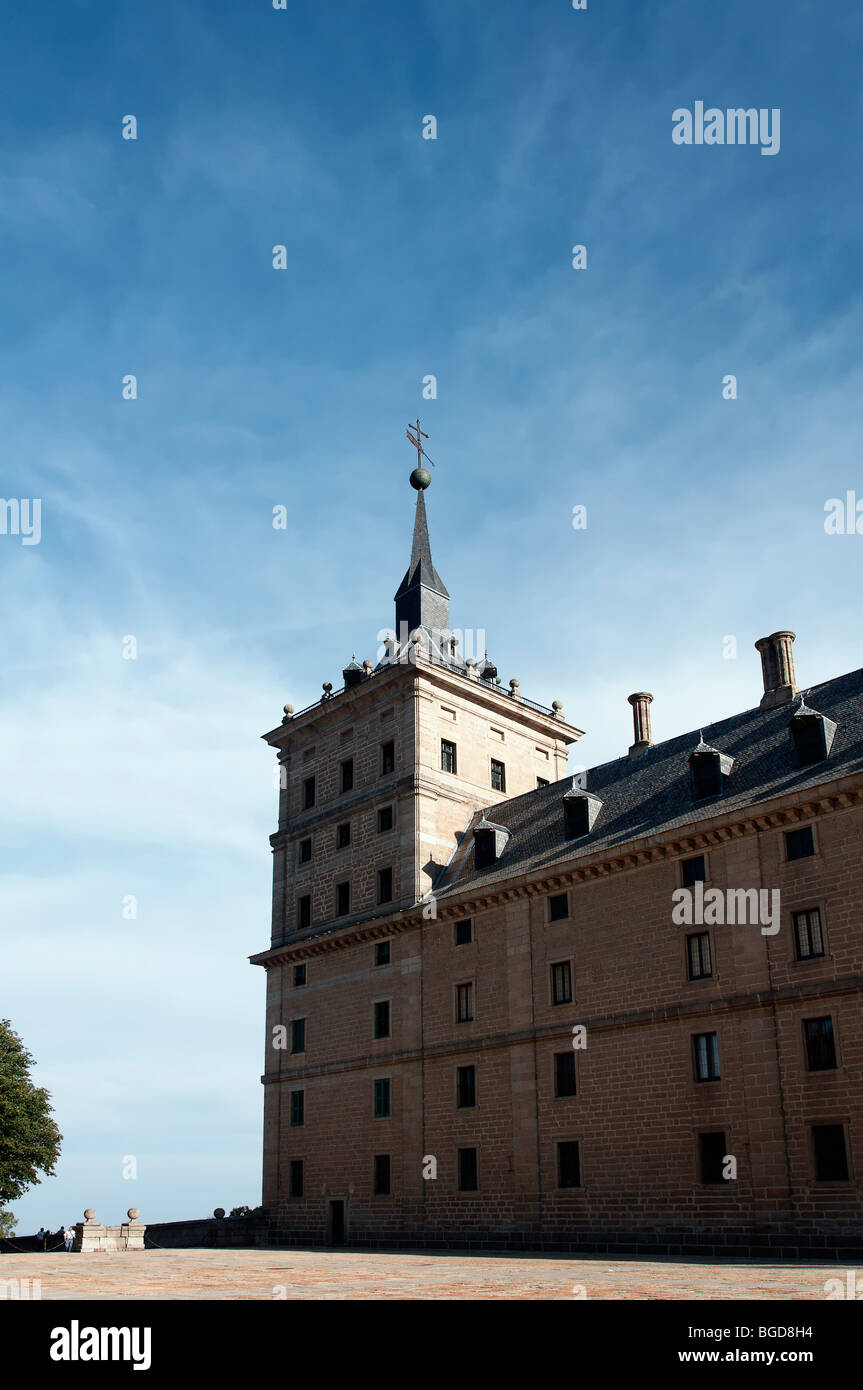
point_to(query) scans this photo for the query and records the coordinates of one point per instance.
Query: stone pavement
(347, 1274)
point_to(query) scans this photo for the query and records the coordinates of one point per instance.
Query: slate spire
(422, 599)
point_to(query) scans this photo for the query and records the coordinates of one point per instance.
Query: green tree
(29, 1138)
(7, 1224)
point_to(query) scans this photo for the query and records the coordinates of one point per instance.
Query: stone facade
(386, 1102)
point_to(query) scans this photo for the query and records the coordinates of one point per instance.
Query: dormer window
(811, 734)
(352, 674)
(706, 775)
(489, 842)
(580, 811)
(484, 848)
(707, 770)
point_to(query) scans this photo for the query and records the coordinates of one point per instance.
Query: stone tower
(381, 778)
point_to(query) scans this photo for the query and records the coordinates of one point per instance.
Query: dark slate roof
(421, 570)
(651, 794)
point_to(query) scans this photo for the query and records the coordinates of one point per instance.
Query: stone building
(620, 1010)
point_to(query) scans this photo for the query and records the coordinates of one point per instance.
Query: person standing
(42, 1236)
(69, 1237)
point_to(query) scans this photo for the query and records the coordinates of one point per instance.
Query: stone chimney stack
(641, 703)
(777, 664)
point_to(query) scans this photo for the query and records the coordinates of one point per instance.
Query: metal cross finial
(418, 443)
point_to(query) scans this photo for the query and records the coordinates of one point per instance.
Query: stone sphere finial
(289, 709)
(557, 705)
(367, 665)
(219, 1213)
(420, 479)
(133, 1213)
(90, 1214)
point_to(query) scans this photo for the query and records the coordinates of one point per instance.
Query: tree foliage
(29, 1138)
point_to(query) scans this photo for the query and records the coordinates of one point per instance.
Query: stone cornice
(782, 812)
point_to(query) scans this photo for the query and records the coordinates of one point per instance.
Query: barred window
(561, 982)
(808, 938)
(464, 1003)
(706, 1056)
(698, 948)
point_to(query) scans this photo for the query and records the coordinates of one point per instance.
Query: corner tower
(381, 778)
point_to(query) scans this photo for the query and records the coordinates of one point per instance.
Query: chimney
(641, 703)
(777, 665)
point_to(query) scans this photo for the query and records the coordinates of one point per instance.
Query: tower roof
(421, 570)
(422, 600)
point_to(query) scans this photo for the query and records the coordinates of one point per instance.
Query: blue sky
(259, 388)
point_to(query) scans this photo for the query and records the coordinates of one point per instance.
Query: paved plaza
(345, 1274)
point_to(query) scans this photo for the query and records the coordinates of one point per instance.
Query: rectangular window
(564, 1073)
(561, 982)
(385, 819)
(698, 953)
(467, 1170)
(382, 1098)
(305, 851)
(382, 1175)
(568, 1164)
(799, 844)
(693, 871)
(382, 1018)
(382, 953)
(299, 976)
(576, 816)
(541, 782)
(385, 885)
(347, 775)
(448, 759)
(298, 1035)
(343, 899)
(831, 1158)
(304, 912)
(484, 848)
(498, 775)
(706, 772)
(464, 932)
(808, 937)
(298, 1108)
(466, 1087)
(308, 793)
(388, 757)
(810, 741)
(558, 907)
(711, 1156)
(820, 1044)
(464, 1003)
(706, 1048)
(296, 1187)
(343, 835)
